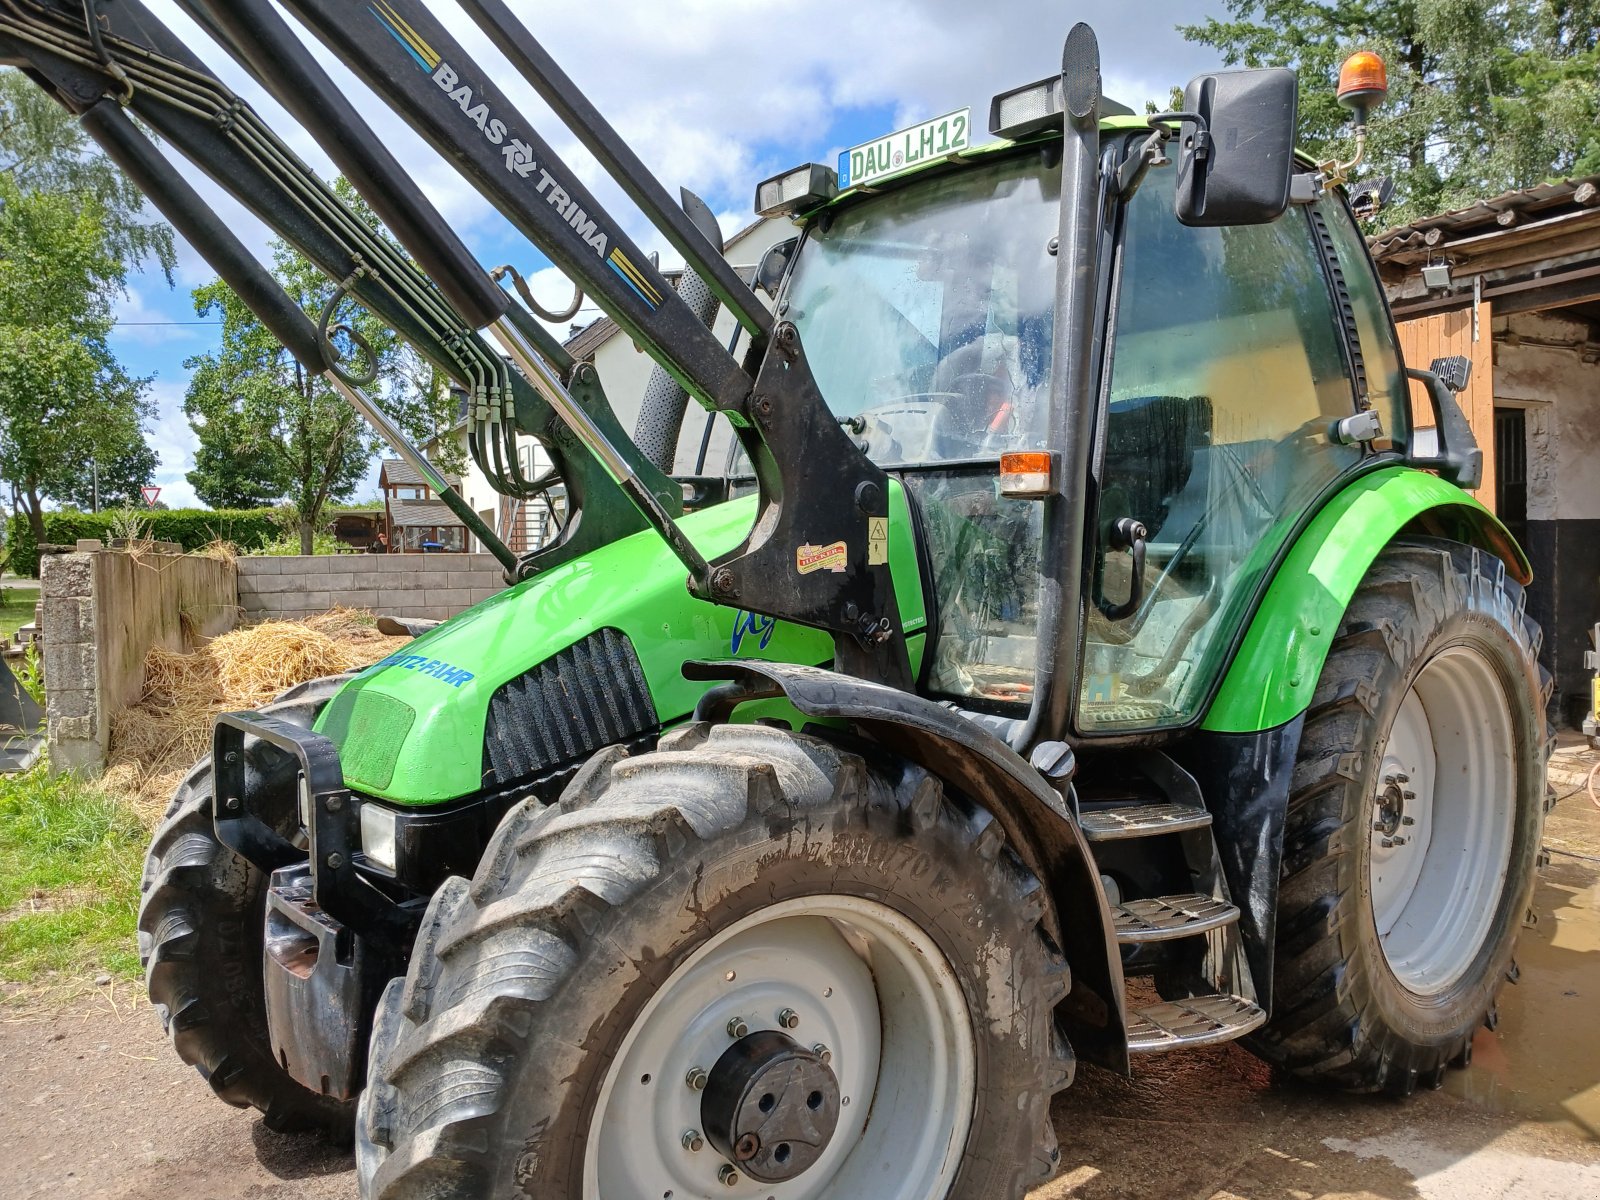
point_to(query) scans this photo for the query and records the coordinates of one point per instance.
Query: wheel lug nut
(737, 1027)
(692, 1141)
(727, 1176)
(1399, 841)
(1386, 843)
(1408, 820)
(822, 1052)
(788, 1018)
(1408, 795)
(696, 1079)
(1401, 777)
(1377, 827)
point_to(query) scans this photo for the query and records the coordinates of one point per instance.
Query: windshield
(926, 313)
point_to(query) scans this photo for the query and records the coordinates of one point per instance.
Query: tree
(117, 482)
(64, 399)
(44, 149)
(1484, 95)
(268, 430)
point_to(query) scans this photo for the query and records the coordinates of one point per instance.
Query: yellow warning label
(877, 541)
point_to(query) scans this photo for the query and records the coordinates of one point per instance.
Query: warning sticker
(832, 557)
(877, 541)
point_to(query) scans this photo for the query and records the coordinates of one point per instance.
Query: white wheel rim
(868, 984)
(1443, 817)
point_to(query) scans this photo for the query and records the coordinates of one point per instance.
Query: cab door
(1226, 366)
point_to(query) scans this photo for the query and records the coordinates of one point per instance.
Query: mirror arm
(1152, 151)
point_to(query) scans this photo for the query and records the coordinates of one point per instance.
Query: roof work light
(796, 190)
(1015, 114)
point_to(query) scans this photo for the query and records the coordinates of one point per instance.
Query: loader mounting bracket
(818, 553)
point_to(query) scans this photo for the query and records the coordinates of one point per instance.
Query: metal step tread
(1160, 918)
(1141, 820)
(1196, 1021)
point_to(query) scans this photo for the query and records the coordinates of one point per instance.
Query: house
(624, 370)
(357, 528)
(414, 518)
(1513, 283)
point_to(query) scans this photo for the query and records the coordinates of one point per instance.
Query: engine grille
(592, 694)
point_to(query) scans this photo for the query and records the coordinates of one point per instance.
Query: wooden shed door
(1439, 335)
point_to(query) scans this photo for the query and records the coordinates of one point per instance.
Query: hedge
(191, 528)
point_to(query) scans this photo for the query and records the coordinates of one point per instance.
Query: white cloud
(172, 439)
(140, 322)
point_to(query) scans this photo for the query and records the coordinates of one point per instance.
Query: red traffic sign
(151, 495)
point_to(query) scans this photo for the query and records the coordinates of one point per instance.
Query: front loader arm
(177, 96)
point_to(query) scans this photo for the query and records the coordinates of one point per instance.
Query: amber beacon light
(1363, 83)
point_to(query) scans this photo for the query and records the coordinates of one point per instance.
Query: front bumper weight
(322, 987)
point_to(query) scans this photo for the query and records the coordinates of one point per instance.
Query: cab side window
(1386, 381)
(1226, 368)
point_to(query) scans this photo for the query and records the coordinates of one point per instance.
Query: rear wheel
(746, 965)
(200, 940)
(1413, 826)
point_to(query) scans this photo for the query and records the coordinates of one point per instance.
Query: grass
(16, 609)
(70, 859)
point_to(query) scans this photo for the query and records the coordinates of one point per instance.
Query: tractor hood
(588, 653)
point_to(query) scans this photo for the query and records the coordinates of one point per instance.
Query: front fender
(1037, 821)
(1275, 671)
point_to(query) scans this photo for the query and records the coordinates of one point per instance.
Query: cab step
(1162, 918)
(1141, 820)
(1195, 1021)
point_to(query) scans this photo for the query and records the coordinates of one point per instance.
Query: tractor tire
(661, 930)
(201, 922)
(1413, 828)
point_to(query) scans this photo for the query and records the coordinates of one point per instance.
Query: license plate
(933, 139)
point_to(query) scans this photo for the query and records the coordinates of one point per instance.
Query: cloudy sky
(714, 95)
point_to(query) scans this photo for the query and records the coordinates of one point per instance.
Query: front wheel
(1413, 826)
(746, 965)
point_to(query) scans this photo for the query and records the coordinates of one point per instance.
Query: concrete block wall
(102, 612)
(432, 586)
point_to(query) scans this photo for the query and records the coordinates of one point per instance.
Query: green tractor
(1086, 654)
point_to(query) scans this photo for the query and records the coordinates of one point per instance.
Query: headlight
(378, 825)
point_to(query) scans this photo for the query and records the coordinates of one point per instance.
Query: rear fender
(1272, 677)
(1036, 819)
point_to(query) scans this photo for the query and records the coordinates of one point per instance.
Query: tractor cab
(1225, 392)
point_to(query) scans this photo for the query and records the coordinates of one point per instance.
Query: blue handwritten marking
(755, 624)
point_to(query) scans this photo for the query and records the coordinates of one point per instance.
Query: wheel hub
(1389, 809)
(771, 1106)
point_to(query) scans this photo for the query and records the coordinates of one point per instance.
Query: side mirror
(1237, 147)
(774, 263)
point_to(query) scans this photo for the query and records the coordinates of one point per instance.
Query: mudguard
(1037, 820)
(1274, 673)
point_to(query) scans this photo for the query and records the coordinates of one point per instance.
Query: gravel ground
(94, 1104)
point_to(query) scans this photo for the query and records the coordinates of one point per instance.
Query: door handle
(1128, 534)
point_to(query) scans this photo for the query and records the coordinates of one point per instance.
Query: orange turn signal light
(1026, 473)
(1363, 81)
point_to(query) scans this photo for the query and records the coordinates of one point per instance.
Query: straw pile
(156, 742)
